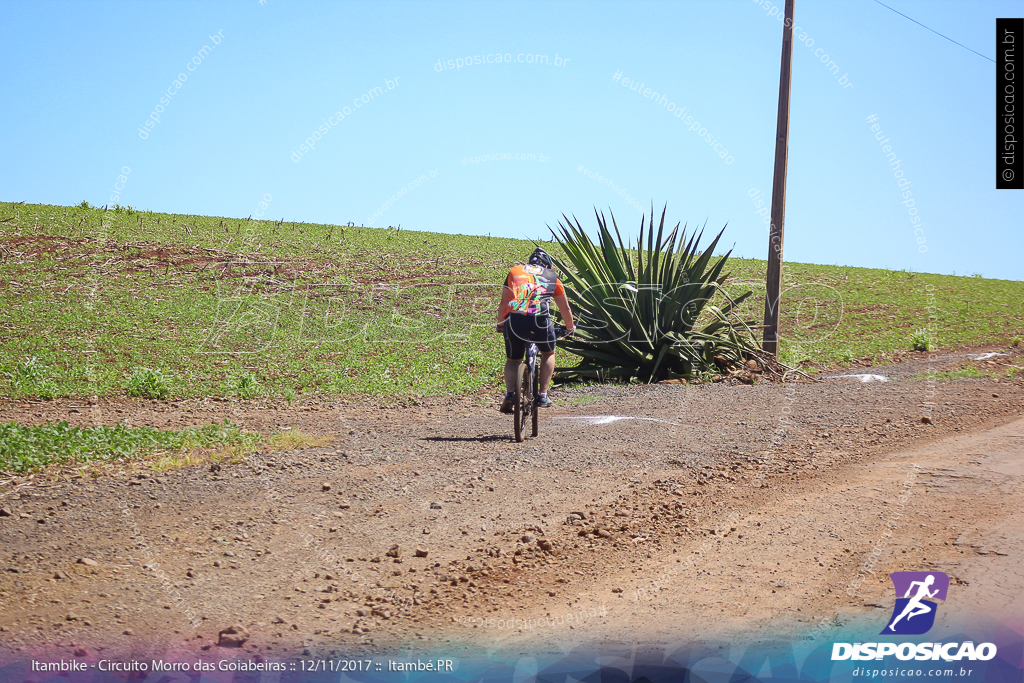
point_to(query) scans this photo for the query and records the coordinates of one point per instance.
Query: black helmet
(539, 257)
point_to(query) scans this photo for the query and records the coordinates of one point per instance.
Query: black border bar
(1009, 134)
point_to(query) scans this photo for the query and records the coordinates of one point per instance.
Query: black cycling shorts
(521, 329)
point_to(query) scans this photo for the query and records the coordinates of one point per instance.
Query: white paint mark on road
(608, 419)
(863, 377)
(992, 354)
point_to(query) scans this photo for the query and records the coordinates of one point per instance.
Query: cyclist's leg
(515, 349)
(547, 370)
(512, 366)
(546, 345)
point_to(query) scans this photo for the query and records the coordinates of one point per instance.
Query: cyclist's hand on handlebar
(500, 327)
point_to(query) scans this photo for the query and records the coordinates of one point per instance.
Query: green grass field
(26, 448)
(251, 309)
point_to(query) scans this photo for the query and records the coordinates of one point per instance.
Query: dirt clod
(233, 636)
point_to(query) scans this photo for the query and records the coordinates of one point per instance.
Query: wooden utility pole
(772, 300)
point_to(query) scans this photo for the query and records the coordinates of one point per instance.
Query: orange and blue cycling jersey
(532, 289)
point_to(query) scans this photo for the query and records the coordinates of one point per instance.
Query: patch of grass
(329, 310)
(28, 448)
(149, 383)
(582, 400)
(293, 439)
(952, 374)
(233, 453)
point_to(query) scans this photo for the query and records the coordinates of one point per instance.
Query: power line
(935, 32)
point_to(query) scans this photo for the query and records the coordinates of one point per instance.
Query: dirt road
(653, 515)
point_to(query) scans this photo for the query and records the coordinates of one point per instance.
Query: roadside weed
(921, 340)
(28, 377)
(248, 386)
(149, 383)
(26, 371)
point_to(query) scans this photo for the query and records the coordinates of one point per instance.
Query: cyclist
(524, 317)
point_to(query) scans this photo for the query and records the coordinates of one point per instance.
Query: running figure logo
(914, 613)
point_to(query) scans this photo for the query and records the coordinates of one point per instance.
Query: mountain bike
(528, 389)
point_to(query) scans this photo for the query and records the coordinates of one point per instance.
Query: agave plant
(657, 311)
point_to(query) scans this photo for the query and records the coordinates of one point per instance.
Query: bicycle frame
(528, 389)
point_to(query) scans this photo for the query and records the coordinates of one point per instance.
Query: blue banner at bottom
(993, 657)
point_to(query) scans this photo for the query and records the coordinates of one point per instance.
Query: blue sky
(81, 78)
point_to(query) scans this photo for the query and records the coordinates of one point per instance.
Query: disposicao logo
(914, 614)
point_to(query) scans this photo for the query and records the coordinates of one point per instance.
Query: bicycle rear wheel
(522, 408)
(534, 395)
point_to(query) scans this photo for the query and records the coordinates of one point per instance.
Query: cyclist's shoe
(543, 401)
(508, 404)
